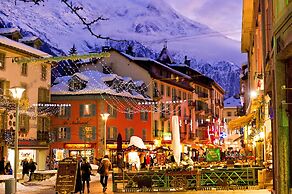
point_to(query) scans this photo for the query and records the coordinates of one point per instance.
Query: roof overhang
(247, 23)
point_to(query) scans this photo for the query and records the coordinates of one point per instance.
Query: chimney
(187, 61)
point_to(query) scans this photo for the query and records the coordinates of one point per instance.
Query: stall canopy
(241, 121)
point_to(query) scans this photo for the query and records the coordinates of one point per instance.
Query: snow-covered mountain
(146, 23)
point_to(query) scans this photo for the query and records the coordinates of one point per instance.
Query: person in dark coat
(32, 168)
(86, 171)
(8, 168)
(107, 165)
(25, 168)
(2, 161)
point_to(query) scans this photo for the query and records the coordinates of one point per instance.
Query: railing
(198, 179)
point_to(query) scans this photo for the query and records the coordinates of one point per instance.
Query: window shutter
(115, 133)
(109, 108)
(68, 133)
(127, 134)
(141, 116)
(68, 111)
(81, 110)
(26, 122)
(47, 95)
(81, 133)
(132, 132)
(108, 131)
(93, 133)
(93, 109)
(39, 123)
(47, 124)
(146, 116)
(6, 88)
(144, 134)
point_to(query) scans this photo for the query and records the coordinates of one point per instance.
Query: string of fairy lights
(119, 102)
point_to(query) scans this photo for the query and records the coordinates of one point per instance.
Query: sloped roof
(95, 85)
(232, 102)
(22, 47)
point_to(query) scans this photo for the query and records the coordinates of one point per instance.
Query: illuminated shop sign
(78, 146)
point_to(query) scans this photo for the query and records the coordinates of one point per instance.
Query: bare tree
(75, 10)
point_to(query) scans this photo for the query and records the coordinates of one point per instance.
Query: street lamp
(16, 93)
(104, 117)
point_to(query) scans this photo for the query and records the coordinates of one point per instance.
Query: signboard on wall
(66, 176)
(213, 155)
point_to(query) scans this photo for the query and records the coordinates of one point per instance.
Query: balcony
(43, 136)
(176, 100)
(203, 95)
(204, 124)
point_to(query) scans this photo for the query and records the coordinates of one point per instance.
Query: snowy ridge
(145, 23)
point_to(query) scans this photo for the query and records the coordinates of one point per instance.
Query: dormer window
(76, 84)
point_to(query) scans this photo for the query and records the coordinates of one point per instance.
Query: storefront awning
(241, 121)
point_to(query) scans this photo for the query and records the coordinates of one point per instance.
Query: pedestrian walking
(86, 172)
(8, 168)
(2, 162)
(104, 168)
(32, 168)
(25, 168)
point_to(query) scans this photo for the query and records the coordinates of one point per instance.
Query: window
(184, 96)
(44, 72)
(162, 126)
(129, 113)
(64, 111)
(162, 89)
(129, 133)
(4, 87)
(156, 107)
(144, 115)
(63, 133)
(155, 128)
(179, 111)
(144, 135)
(2, 61)
(43, 95)
(173, 93)
(112, 110)
(168, 91)
(229, 114)
(87, 133)
(24, 69)
(43, 124)
(87, 110)
(112, 133)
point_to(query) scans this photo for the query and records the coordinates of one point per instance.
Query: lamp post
(16, 93)
(104, 117)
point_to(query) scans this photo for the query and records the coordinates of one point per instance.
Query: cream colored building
(36, 79)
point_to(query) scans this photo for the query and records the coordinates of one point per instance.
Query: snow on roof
(127, 79)
(110, 77)
(23, 47)
(232, 102)
(139, 83)
(82, 76)
(8, 30)
(95, 85)
(28, 39)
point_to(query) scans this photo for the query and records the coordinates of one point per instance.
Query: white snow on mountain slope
(149, 22)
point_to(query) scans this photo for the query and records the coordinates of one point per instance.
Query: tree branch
(74, 10)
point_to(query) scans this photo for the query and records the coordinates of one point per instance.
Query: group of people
(5, 168)
(105, 166)
(28, 168)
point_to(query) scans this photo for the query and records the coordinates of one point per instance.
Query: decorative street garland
(60, 58)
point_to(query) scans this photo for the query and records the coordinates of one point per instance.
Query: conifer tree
(73, 50)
